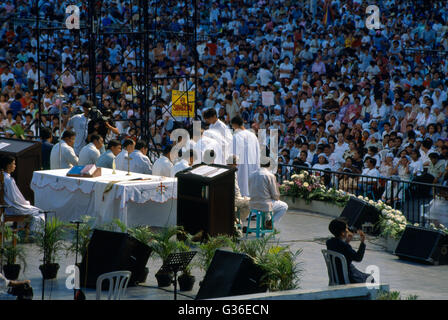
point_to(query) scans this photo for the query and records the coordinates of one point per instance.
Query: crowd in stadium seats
(346, 98)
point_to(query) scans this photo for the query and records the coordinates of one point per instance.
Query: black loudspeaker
(424, 245)
(113, 251)
(230, 274)
(358, 212)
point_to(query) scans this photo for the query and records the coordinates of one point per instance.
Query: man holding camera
(341, 243)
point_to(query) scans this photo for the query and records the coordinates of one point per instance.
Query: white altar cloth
(135, 202)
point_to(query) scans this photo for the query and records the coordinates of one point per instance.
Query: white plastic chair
(118, 283)
(330, 259)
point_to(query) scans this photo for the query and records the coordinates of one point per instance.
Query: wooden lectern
(206, 199)
(28, 159)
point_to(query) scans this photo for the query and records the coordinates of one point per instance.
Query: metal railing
(412, 198)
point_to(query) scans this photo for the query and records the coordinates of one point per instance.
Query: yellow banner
(182, 105)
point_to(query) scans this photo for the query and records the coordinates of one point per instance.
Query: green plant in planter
(11, 254)
(50, 241)
(143, 234)
(394, 295)
(207, 249)
(282, 271)
(115, 225)
(85, 233)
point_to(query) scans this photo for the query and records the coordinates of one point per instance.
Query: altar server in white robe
(66, 153)
(121, 161)
(211, 118)
(140, 162)
(247, 149)
(181, 163)
(206, 143)
(163, 165)
(14, 198)
(91, 152)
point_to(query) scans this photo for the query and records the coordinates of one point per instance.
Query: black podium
(206, 199)
(28, 160)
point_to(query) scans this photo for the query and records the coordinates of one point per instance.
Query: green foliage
(279, 263)
(164, 243)
(50, 239)
(115, 225)
(207, 249)
(282, 271)
(19, 132)
(13, 253)
(394, 295)
(143, 234)
(85, 233)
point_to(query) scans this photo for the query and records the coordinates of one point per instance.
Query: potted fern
(11, 254)
(49, 238)
(163, 244)
(144, 235)
(186, 280)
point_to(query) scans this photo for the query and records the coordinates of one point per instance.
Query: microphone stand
(77, 222)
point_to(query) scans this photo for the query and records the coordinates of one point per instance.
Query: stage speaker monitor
(230, 274)
(424, 245)
(359, 213)
(113, 251)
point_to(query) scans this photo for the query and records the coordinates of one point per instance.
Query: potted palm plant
(49, 238)
(163, 244)
(84, 235)
(207, 250)
(11, 253)
(144, 235)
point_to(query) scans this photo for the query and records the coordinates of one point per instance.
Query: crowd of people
(346, 98)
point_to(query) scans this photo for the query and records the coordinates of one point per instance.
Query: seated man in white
(62, 155)
(140, 162)
(107, 158)
(162, 166)
(182, 164)
(14, 198)
(121, 161)
(264, 193)
(90, 153)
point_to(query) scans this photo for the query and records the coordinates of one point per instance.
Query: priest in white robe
(211, 118)
(247, 149)
(140, 162)
(206, 143)
(163, 165)
(14, 198)
(91, 152)
(121, 161)
(181, 163)
(62, 155)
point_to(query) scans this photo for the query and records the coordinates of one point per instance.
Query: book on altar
(87, 171)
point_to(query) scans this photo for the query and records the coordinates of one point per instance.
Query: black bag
(22, 291)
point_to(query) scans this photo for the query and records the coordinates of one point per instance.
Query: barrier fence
(413, 197)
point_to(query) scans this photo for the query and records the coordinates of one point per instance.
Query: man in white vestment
(91, 152)
(64, 150)
(106, 160)
(265, 195)
(247, 149)
(121, 161)
(211, 118)
(181, 164)
(203, 147)
(162, 166)
(14, 198)
(140, 162)
(79, 124)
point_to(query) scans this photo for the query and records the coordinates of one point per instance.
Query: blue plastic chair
(260, 222)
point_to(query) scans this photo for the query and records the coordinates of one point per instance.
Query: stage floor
(298, 229)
